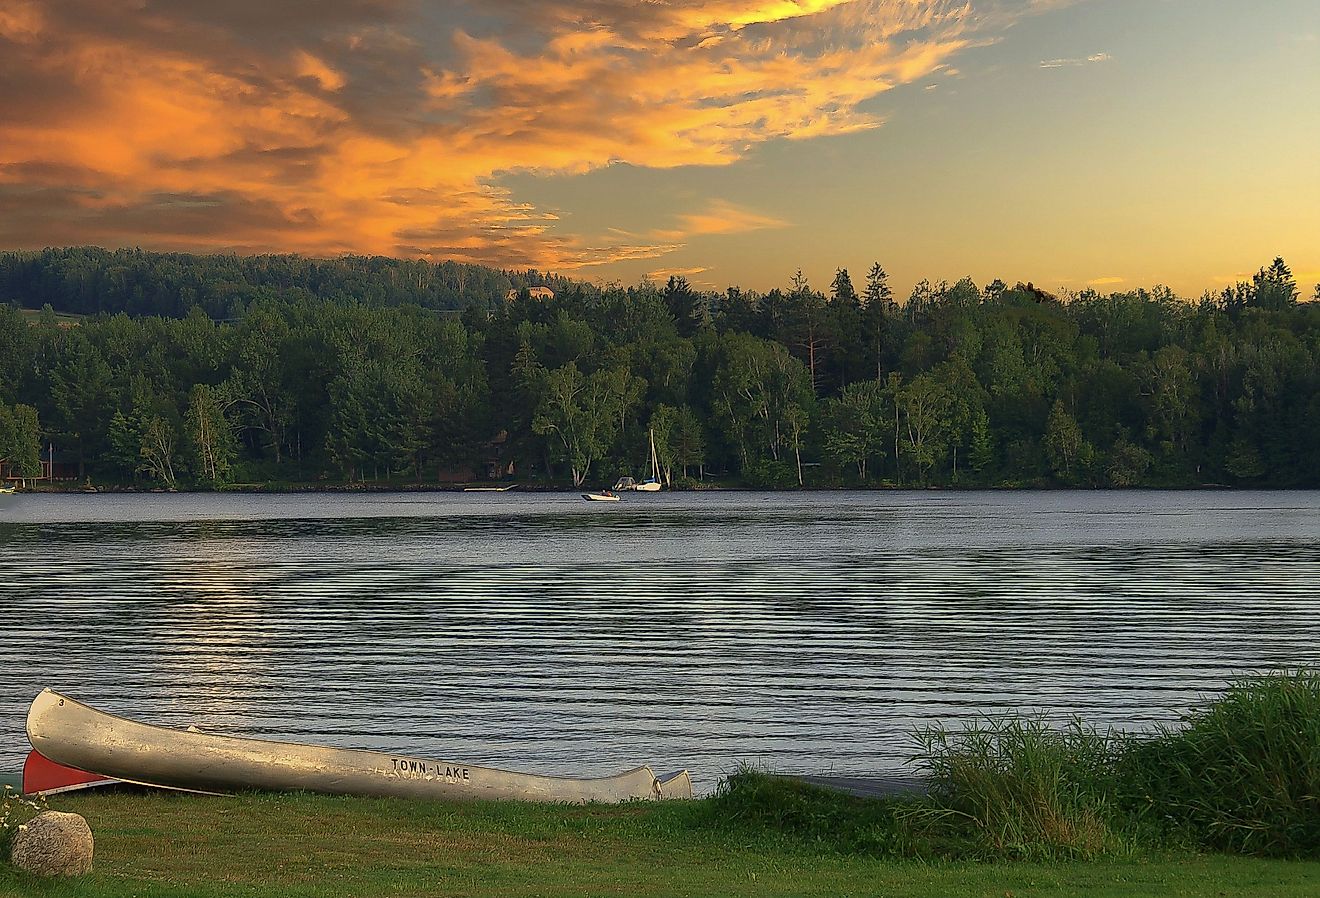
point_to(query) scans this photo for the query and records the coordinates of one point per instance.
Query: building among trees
(533, 292)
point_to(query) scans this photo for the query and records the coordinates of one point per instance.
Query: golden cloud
(21, 21)
(348, 126)
(311, 67)
(675, 272)
(720, 217)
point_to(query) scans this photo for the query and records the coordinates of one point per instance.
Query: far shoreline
(560, 489)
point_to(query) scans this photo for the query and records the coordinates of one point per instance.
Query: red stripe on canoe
(42, 776)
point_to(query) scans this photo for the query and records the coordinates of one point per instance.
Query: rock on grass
(53, 844)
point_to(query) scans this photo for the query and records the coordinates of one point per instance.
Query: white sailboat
(651, 485)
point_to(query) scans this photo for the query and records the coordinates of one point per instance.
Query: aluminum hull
(68, 732)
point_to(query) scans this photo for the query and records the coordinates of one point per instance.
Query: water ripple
(807, 633)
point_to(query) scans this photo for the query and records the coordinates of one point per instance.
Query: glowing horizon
(1070, 143)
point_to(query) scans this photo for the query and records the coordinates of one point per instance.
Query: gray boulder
(53, 844)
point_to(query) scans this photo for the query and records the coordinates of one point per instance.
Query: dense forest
(89, 280)
(213, 371)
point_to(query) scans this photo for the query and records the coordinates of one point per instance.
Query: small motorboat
(602, 496)
(77, 736)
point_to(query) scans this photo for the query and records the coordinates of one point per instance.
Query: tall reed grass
(1018, 787)
(1241, 775)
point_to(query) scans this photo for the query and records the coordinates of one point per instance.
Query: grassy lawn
(65, 319)
(293, 845)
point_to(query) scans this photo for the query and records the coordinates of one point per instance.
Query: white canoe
(76, 735)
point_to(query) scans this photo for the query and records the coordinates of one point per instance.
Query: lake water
(805, 633)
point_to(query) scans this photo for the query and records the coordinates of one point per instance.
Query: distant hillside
(88, 280)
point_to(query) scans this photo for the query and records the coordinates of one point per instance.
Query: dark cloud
(71, 216)
(196, 26)
(287, 163)
(386, 125)
(47, 174)
(204, 216)
(279, 16)
(33, 92)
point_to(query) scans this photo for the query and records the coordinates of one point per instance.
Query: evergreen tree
(684, 305)
(20, 440)
(1274, 287)
(841, 290)
(878, 306)
(981, 451)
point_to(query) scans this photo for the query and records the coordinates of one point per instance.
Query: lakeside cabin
(55, 465)
(533, 292)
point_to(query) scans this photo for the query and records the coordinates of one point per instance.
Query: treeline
(957, 385)
(89, 280)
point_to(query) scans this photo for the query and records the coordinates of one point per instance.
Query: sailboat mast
(655, 462)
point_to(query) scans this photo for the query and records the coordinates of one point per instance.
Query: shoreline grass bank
(1228, 802)
(158, 845)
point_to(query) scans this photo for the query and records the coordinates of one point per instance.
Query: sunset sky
(1113, 143)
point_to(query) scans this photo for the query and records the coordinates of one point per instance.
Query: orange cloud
(720, 217)
(326, 126)
(308, 66)
(664, 274)
(21, 21)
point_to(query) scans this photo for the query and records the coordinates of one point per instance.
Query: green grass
(755, 806)
(65, 319)
(296, 846)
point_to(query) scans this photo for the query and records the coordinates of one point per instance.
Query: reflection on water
(806, 633)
